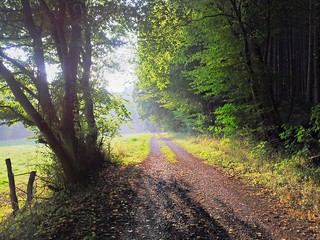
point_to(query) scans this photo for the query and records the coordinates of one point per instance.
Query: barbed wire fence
(24, 195)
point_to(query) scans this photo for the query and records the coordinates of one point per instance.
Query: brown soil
(192, 200)
(185, 200)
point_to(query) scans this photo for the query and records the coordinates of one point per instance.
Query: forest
(246, 68)
(220, 68)
(229, 91)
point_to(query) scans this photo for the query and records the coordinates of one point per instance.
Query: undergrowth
(290, 179)
(46, 217)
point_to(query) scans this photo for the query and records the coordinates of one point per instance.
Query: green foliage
(300, 140)
(226, 121)
(50, 170)
(294, 132)
(210, 53)
(315, 119)
(262, 150)
(110, 112)
(189, 64)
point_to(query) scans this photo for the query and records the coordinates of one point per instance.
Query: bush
(51, 171)
(303, 140)
(226, 122)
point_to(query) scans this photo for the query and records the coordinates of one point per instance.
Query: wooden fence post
(30, 187)
(13, 194)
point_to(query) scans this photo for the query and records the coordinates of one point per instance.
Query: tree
(71, 34)
(164, 90)
(260, 57)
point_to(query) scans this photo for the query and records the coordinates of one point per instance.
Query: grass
(169, 155)
(131, 149)
(25, 156)
(288, 179)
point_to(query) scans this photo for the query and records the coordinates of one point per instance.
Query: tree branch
(10, 46)
(57, 29)
(31, 25)
(45, 99)
(20, 116)
(213, 16)
(18, 65)
(8, 23)
(35, 96)
(54, 31)
(14, 38)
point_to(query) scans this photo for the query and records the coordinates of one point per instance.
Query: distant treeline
(14, 132)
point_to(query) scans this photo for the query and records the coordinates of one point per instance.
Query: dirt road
(180, 201)
(191, 200)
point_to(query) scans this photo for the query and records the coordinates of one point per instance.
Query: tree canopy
(217, 67)
(72, 110)
(230, 67)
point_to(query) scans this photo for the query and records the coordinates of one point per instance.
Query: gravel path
(191, 200)
(157, 200)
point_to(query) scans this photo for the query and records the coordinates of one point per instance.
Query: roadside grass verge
(296, 185)
(130, 149)
(169, 155)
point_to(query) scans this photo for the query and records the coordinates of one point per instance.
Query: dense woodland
(234, 67)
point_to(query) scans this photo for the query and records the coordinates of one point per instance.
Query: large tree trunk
(71, 175)
(91, 138)
(70, 67)
(41, 83)
(62, 130)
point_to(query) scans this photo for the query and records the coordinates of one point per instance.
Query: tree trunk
(269, 78)
(316, 55)
(70, 172)
(310, 52)
(86, 56)
(70, 67)
(249, 64)
(41, 76)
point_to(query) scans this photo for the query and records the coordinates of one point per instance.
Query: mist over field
(14, 132)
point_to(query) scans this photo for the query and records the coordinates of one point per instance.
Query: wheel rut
(192, 200)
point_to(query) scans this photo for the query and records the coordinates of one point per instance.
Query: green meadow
(25, 155)
(131, 149)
